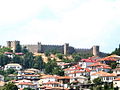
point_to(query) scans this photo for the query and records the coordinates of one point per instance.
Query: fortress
(65, 49)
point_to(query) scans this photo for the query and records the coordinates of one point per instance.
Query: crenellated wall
(12, 44)
(65, 49)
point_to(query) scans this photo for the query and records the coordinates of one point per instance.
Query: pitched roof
(116, 69)
(8, 53)
(107, 59)
(110, 75)
(87, 70)
(52, 82)
(117, 79)
(104, 67)
(76, 72)
(26, 83)
(64, 77)
(19, 53)
(101, 73)
(36, 75)
(98, 64)
(13, 64)
(50, 76)
(88, 60)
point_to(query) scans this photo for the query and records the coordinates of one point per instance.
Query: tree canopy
(52, 68)
(10, 86)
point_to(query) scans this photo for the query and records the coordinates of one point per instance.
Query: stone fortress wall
(12, 44)
(65, 49)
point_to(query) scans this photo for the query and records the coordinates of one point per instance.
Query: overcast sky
(81, 23)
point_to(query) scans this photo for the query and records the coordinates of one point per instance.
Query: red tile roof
(26, 83)
(98, 64)
(50, 76)
(87, 69)
(32, 75)
(101, 73)
(19, 53)
(52, 82)
(64, 77)
(88, 60)
(116, 69)
(8, 53)
(104, 67)
(76, 72)
(107, 59)
(117, 79)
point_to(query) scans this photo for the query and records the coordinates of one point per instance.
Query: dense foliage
(10, 86)
(5, 49)
(97, 81)
(116, 51)
(52, 68)
(28, 89)
(38, 63)
(79, 56)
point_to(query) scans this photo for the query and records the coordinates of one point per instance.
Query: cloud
(82, 23)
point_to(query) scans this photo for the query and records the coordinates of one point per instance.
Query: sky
(81, 23)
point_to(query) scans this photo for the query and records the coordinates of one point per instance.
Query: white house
(106, 77)
(26, 85)
(49, 78)
(80, 79)
(1, 78)
(84, 63)
(52, 84)
(116, 83)
(13, 66)
(116, 70)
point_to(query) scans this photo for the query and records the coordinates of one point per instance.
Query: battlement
(13, 44)
(51, 45)
(83, 49)
(65, 48)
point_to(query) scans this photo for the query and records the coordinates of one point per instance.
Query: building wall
(116, 84)
(12, 44)
(16, 67)
(65, 49)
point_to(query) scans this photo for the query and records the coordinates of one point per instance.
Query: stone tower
(66, 48)
(12, 44)
(39, 47)
(95, 50)
(9, 44)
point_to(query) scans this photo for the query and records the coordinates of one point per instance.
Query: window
(107, 78)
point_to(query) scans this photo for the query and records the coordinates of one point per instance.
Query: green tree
(5, 49)
(112, 64)
(60, 56)
(52, 68)
(77, 57)
(47, 53)
(18, 48)
(28, 60)
(116, 51)
(28, 89)
(38, 63)
(25, 50)
(4, 60)
(2, 72)
(67, 60)
(57, 71)
(97, 81)
(17, 59)
(10, 86)
(51, 64)
(10, 71)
